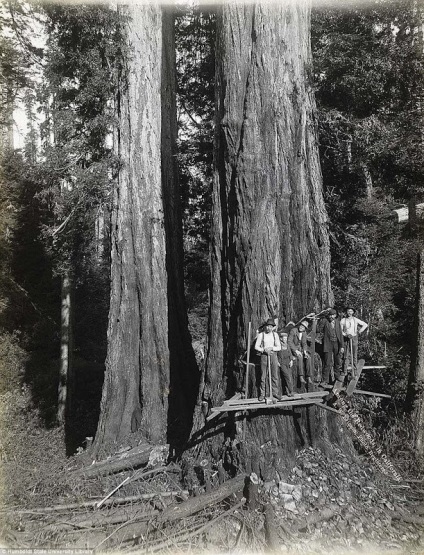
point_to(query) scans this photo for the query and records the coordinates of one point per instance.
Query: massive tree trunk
(149, 349)
(270, 246)
(137, 364)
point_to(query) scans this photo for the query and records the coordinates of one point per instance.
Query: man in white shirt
(267, 345)
(351, 328)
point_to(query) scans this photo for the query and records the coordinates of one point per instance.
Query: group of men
(279, 350)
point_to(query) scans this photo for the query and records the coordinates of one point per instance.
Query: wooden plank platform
(236, 404)
(372, 367)
(363, 392)
(351, 386)
(263, 405)
(284, 398)
(213, 414)
(372, 393)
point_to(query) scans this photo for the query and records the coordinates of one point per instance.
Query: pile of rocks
(346, 500)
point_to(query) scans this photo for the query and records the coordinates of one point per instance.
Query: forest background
(55, 194)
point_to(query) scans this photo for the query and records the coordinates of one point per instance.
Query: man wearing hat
(297, 344)
(332, 345)
(351, 328)
(267, 345)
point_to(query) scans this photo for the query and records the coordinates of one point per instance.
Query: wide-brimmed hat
(269, 322)
(304, 323)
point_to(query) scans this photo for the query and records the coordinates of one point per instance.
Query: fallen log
(131, 459)
(131, 531)
(98, 519)
(139, 475)
(408, 518)
(196, 504)
(185, 537)
(311, 520)
(92, 504)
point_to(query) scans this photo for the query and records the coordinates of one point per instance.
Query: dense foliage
(195, 43)
(82, 53)
(368, 75)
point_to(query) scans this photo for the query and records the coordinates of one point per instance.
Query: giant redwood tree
(146, 388)
(270, 247)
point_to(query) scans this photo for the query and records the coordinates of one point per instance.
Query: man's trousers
(332, 358)
(354, 359)
(264, 374)
(288, 377)
(303, 367)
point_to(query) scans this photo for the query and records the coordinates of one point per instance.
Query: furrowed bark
(137, 364)
(270, 251)
(151, 374)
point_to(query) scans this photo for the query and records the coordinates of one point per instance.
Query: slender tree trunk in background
(30, 148)
(100, 232)
(137, 365)
(184, 380)
(6, 118)
(415, 393)
(270, 247)
(418, 42)
(368, 179)
(66, 378)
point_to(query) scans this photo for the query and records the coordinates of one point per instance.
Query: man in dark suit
(297, 345)
(332, 343)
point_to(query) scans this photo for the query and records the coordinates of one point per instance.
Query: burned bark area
(270, 246)
(184, 374)
(137, 364)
